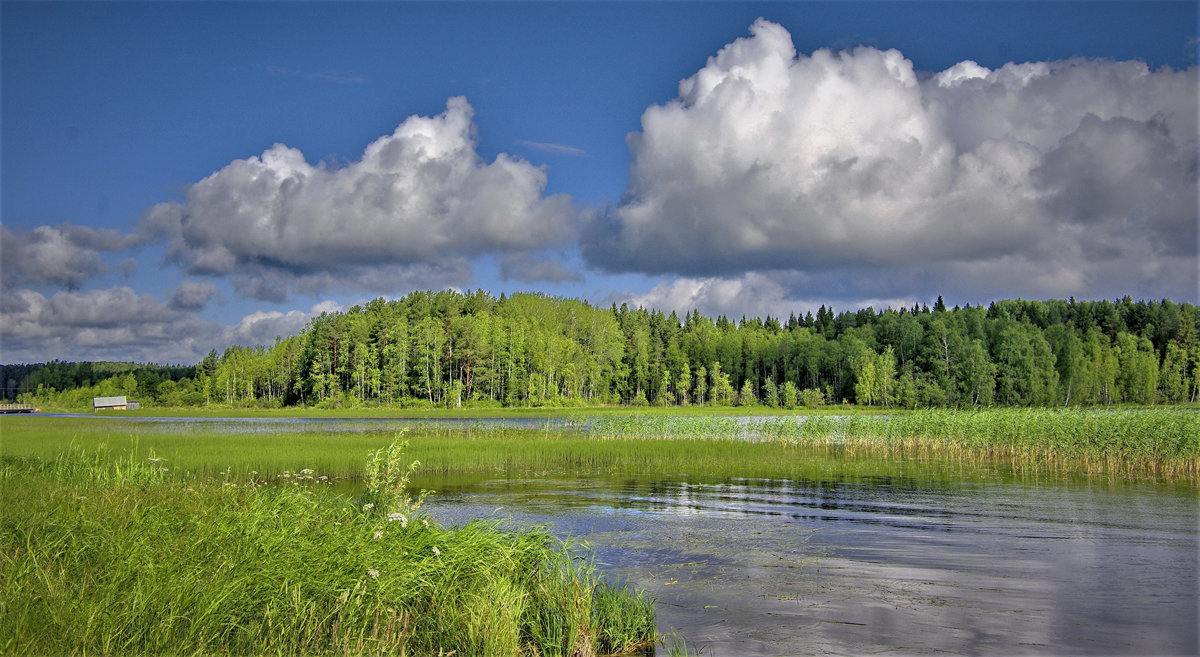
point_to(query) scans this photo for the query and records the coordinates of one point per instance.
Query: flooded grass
(104, 555)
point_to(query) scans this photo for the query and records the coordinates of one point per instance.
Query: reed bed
(1160, 442)
(102, 554)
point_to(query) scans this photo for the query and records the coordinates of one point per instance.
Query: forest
(102, 378)
(451, 349)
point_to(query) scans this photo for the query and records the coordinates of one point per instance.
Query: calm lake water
(972, 561)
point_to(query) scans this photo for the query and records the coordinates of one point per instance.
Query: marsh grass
(109, 554)
(1125, 442)
(1154, 443)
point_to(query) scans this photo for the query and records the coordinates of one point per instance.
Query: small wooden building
(113, 404)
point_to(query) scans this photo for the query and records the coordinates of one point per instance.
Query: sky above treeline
(179, 177)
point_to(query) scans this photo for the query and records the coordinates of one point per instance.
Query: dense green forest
(101, 378)
(448, 349)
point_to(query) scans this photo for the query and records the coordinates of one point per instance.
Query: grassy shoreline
(113, 556)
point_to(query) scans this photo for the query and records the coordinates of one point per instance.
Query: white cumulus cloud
(752, 294)
(417, 203)
(262, 327)
(1056, 177)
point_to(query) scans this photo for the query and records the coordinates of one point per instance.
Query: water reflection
(892, 564)
(253, 425)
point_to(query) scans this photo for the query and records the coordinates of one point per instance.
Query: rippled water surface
(753, 567)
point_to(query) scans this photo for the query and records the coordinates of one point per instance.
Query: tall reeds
(1127, 441)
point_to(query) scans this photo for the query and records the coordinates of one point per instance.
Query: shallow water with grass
(837, 538)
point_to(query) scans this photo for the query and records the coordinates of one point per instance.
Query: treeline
(450, 349)
(65, 383)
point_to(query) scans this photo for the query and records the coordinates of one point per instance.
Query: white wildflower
(306, 471)
(373, 573)
(425, 522)
(436, 551)
(378, 534)
(393, 517)
(368, 507)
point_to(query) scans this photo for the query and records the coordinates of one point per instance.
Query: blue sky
(113, 113)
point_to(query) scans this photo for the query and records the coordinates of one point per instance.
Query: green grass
(107, 555)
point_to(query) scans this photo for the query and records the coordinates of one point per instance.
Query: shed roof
(98, 402)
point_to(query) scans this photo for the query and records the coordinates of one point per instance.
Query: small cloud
(337, 77)
(560, 149)
(529, 269)
(193, 295)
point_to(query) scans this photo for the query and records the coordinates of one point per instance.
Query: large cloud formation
(412, 209)
(1071, 177)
